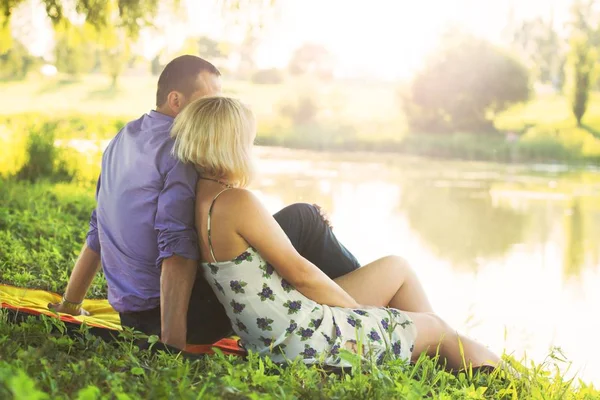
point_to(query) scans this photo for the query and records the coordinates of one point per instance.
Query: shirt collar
(156, 114)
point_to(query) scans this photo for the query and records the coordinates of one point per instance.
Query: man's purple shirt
(144, 214)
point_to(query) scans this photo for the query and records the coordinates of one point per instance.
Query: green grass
(351, 117)
(136, 95)
(42, 227)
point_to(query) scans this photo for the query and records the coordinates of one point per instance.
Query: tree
(16, 62)
(540, 45)
(131, 14)
(115, 52)
(466, 81)
(312, 59)
(582, 67)
(461, 225)
(209, 48)
(73, 53)
(583, 55)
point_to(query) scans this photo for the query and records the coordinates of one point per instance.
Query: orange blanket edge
(226, 345)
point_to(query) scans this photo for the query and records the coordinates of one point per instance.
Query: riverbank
(42, 227)
(333, 116)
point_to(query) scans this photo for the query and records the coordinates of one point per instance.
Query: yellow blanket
(35, 302)
(102, 314)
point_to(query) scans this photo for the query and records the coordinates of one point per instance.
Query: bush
(16, 63)
(269, 76)
(464, 84)
(568, 144)
(41, 156)
(302, 110)
(54, 148)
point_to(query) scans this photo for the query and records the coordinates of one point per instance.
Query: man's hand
(67, 309)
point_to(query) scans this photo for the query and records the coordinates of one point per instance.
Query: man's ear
(175, 101)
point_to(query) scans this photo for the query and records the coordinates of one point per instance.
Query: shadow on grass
(107, 93)
(593, 131)
(57, 84)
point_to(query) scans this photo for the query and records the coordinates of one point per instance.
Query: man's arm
(86, 267)
(178, 251)
(176, 281)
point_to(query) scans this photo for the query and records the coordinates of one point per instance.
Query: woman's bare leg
(387, 282)
(434, 333)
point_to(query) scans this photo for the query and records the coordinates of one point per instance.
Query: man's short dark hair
(180, 74)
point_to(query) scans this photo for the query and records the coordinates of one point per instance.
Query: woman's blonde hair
(216, 135)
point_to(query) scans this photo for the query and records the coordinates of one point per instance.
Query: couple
(171, 197)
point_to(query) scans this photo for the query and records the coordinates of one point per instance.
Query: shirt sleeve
(92, 240)
(174, 222)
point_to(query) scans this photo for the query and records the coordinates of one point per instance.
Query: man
(142, 231)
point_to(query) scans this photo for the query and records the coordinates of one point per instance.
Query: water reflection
(574, 240)
(499, 248)
(461, 224)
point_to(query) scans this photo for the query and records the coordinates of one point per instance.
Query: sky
(386, 38)
(389, 38)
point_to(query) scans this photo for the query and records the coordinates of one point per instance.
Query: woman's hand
(66, 308)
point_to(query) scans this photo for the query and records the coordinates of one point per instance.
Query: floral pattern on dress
(309, 352)
(266, 293)
(266, 341)
(275, 320)
(374, 336)
(354, 322)
(291, 325)
(267, 270)
(218, 286)
(305, 333)
(238, 286)
(264, 324)
(241, 326)
(286, 286)
(245, 256)
(315, 323)
(291, 328)
(237, 307)
(213, 269)
(293, 306)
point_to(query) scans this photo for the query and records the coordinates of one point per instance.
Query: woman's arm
(263, 233)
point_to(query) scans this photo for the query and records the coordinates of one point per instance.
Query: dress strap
(212, 253)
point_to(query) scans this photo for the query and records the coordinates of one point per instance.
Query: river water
(509, 255)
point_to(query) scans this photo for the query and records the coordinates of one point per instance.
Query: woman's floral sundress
(275, 320)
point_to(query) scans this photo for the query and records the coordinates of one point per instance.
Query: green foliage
(583, 56)
(115, 52)
(42, 363)
(42, 227)
(41, 156)
(459, 225)
(464, 84)
(302, 110)
(312, 59)
(74, 55)
(131, 14)
(538, 42)
(16, 63)
(270, 76)
(55, 148)
(209, 48)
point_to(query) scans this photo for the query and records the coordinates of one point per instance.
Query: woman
(280, 304)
